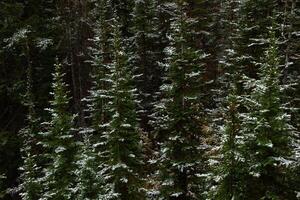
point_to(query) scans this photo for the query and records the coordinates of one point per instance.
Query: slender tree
(291, 74)
(89, 179)
(182, 152)
(30, 186)
(145, 57)
(268, 133)
(100, 60)
(124, 143)
(59, 143)
(93, 156)
(231, 166)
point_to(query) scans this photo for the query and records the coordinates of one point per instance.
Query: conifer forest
(149, 100)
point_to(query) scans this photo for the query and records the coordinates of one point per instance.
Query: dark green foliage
(101, 57)
(231, 166)
(59, 143)
(145, 58)
(31, 169)
(10, 162)
(291, 71)
(89, 181)
(239, 156)
(268, 133)
(23, 41)
(182, 159)
(178, 100)
(93, 157)
(98, 113)
(124, 143)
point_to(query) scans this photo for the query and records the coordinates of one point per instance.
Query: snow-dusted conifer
(31, 170)
(291, 75)
(182, 162)
(124, 143)
(100, 59)
(89, 179)
(145, 57)
(59, 143)
(93, 156)
(230, 165)
(268, 133)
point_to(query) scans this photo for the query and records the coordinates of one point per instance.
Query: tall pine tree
(124, 143)
(94, 154)
(145, 58)
(230, 166)
(268, 133)
(89, 180)
(181, 114)
(59, 143)
(31, 169)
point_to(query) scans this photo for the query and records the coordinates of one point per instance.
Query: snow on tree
(144, 59)
(100, 58)
(180, 115)
(268, 132)
(124, 143)
(59, 144)
(230, 169)
(89, 177)
(93, 157)
(31, 170)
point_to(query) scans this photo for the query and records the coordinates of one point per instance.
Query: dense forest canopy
(150, 99)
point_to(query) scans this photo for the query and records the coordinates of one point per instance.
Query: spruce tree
(230, 169)
(268, 133)
(291, 74)
(89, 179)
(256, 16)
(124, 143)
(30, 186)
(59, 144)
(144, 59)
(100, 58)
(98, 110)
(182, 167)
(93, 156)
(230, 165)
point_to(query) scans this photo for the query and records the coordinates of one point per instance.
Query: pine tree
(291, 74)
(145, 59)
(30, 186)
(59, 144)
(89, 179)
(256, 17)
(100, 59)
(124, 143)
(181, 117)
(151, 26)
(230, 167)
(268, 133)
(94, 155)
(230, 170)
(98, 99)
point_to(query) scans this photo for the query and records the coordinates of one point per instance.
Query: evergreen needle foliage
(182, 159)
(150, 100)
(269, 132)
(58, 140)
(124, 143)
